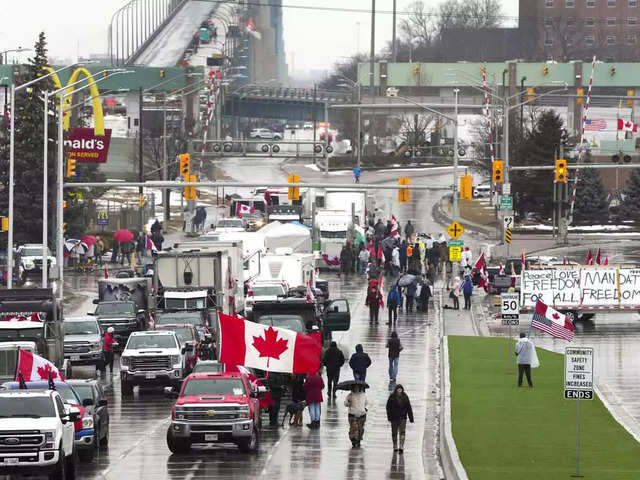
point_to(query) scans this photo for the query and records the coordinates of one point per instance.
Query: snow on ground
(585, 228)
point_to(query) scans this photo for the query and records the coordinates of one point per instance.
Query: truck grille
(209, 414)
(76, 347)
(149, 364)
(19, 440)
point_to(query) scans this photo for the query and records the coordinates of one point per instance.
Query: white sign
(510, 308)
(558, 287)
(506, 188)
(578, 373)
(508, 221)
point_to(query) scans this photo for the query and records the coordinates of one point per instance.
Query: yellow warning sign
(455, 230)
(455, 254)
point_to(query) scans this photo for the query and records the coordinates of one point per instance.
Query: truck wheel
(251, 444)
(126, 388)
(104, 441)
(86, 455)
(177, 446)
(60, 472)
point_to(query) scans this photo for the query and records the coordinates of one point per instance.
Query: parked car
(208, 366)
(308, 126)
(264, 133)
(229, 225)
(31, 256)
(95, 401)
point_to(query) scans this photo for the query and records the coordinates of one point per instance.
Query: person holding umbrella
(398, 410)
(357, 404)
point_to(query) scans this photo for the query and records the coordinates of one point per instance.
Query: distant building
(485, 45)
(564, 30)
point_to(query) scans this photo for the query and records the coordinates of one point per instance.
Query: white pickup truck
(36, 434)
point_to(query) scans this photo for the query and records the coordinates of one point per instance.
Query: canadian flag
(242, 209)
(33, 367)
(268, 348)
(627, 126)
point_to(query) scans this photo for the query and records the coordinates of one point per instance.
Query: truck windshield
(291, 322)
(66, 392)
(138, 342)
(338, 234)
(177, 318)
(184, 334)
(115, 309)
(33, 252)
(184, 303)
(229, 223)
(84, 391)
(7, 334)
(214, 386)
(267, 290)
(33, 407)
(90, 327)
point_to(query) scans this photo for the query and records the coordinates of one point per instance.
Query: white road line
(273, 451)
(193, 470)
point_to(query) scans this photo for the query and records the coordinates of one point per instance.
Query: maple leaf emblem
(270, 346)
(555, 316)
(46, 370)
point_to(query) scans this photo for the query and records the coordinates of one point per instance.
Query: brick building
(564, 30)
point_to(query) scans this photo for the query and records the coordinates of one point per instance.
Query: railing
(135, 24)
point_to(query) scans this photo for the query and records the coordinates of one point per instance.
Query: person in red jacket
(107, 350)
(313, 387)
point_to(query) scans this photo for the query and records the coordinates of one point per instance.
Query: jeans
(393, 368)
(314, 412)
(363, 267)
(398, 429)
(526, 369)
(332, 380)
(393, 312)
(360, 375)
(467, 302)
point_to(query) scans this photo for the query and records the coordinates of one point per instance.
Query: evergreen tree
(630, 206)
(534, 188)
(592, 205)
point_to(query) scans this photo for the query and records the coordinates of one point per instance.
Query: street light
(12, 50)
(60, 239)
(358, 87)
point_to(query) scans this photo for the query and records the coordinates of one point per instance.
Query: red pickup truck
(216, 407)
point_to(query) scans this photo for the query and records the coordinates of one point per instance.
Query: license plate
(210, 437)
(13, 461)
(75, 358)
(151, 375)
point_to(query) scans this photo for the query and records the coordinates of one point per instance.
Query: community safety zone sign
(584, 287)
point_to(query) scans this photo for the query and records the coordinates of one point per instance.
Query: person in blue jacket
(356, 173)
(393, 301)
(467, 291)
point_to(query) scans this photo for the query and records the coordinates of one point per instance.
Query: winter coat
(380, 229)
(394, 346)
(408, 229)
(399, 408)
(455, 287)
(333, 359)
(359, 361)
(395, 257)
(107, 345)
(467, 287)
(373, 297)
(363, 256)
(526, 352)
(157, 239)
(425, 293)
(393, 298)
(411, 289)
(357, 403)
(403, 255)
(346, 256)
(313, 386)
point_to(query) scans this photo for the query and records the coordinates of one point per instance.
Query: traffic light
(64, 204)
(545, 70)
(161, 73)
(615, 158)
(630, 93)
(466, 187)
(612, 71)
(497, 171)
(530, 94)
(4, 224)
(71, 167)
(185, 164)
(64, 227)
(561, 170)
(580, 94)
(404, 195)
(141, 201)
(294, 192)
(626, 159)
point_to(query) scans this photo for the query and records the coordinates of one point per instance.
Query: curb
(444, 219)
(619, 413)
(451, 464)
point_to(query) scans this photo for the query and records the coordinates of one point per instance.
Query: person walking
(395, 347)
(425, 295)
(359, 362)
(363, 259)
(398, 410)
(403, 256)
(357, 404)
(115, 251)
(393, 300)
(333, 360)
(408, 230)
(346, 259)
(411, 295)
(313, 387)
(107, 350)
(157, 239)
(454, 293)
(527, 358)
(99, 251)
(467, 291)
(395, 260)
(373, 301)
(356, 174)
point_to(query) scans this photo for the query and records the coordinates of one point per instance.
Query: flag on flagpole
(589, 258)
(627, 126)
(564, 260)
(551, 321)
(606, 261)
(598, 256)
(266, 347)
(513, 275)
(394, 226)
(32, 367)
(310, 296)
(595, 125)
(106, 271)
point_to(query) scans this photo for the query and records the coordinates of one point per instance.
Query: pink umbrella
(123, 236)
(89, 240)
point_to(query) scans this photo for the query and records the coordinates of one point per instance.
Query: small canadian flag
(33, 367)
(242, 209)
(627, 126)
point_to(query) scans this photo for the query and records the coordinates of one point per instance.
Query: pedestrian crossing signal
(561, 170)
(497, 171)
(185, 164)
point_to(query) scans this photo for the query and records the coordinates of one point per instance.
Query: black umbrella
(349, 384)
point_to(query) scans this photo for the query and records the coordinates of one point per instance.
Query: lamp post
(12, 50)
(358, 88)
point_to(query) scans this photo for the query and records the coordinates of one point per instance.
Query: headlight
(87, 422)
(96, 346)
(175, 359)
(124, 361)
(49, 435)
(243, 412)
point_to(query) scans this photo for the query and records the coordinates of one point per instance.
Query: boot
(317, 424)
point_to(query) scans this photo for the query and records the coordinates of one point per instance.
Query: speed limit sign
(510, 308)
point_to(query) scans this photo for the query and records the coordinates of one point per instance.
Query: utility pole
(326, 135)
(140, 160)
(166, 194)
(373, 46)
(456, 212)
(359, 141)
(393, 35)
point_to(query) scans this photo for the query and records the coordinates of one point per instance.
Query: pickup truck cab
(187, 335)
(31, 255)
(82, 341)
(221, 407)
(122, 316)
(36, 434)
(153, 358)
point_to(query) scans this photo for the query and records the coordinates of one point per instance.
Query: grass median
(503, 432)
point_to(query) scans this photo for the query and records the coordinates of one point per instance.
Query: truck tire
(177, 446)
(251, 444)
(104, 441)
(126, 388)
(86, 455)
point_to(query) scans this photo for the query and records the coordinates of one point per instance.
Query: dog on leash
(294, 410)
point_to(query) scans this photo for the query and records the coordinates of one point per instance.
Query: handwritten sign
(554, 287)
(629, 280)
(599, 287)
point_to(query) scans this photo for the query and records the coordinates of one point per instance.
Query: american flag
(554, 323)
(595, 124)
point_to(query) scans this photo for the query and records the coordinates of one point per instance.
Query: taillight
(173, 413)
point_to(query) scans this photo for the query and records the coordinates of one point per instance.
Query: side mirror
(74, 416)
(65, 419)
(87, 402)
(103, 402)
(96, 301)
(171, 393)
(183, 349)
(262, 391)
(141, 311)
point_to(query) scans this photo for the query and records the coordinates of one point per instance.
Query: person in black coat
(403, 256)
(333, 360)
(359, 362)
(425, 295)
(398, 410)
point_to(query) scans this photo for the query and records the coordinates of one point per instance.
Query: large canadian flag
(627, 126)
(267, 348)
(33, 368)
(242, 209)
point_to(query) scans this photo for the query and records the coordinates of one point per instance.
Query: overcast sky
(314, 38)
